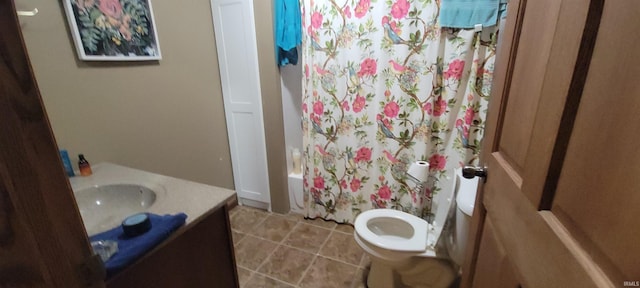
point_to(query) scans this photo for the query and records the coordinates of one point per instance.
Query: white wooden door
(238, 59)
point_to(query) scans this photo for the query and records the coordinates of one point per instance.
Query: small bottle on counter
(85, 167)
(64, 155)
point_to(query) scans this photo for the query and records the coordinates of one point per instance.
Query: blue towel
(130, 249)
(288, 31)
(288, 57)
(468, 13)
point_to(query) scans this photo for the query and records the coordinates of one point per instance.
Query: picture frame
(113, 30)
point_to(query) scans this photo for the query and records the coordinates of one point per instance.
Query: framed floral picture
(113, 30)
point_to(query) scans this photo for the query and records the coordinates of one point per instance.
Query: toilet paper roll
(419, 170)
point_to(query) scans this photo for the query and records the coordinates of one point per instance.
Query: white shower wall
(291, 78)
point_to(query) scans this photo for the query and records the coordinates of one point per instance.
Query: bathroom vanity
(198, 254)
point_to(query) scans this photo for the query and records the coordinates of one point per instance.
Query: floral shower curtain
(385, 86)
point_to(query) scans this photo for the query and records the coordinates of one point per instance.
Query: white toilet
(406, 251)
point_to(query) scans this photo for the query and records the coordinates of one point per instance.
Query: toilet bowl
(406, 250)
(391, 235)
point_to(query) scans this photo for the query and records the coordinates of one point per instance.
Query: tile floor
(287, 251)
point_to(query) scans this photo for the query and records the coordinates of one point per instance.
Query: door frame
(504, 65)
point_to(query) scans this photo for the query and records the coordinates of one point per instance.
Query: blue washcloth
(130, 249)
(288, 30)
(468, 13)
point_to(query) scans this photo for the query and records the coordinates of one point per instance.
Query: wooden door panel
(550, 58)
(540, 254)
(597, 198)
(546, 56)
(528, 75)
(20, 264)
(42, 238)
(494, 268)
(562, 86)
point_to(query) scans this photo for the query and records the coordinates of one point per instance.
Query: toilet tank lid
(467, 189)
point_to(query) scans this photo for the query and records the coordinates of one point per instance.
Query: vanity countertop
(173, 195)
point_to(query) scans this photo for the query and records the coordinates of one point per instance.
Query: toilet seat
(396, 236)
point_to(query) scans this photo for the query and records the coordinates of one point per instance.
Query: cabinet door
(198, 257)
(42, 239)
(561, 155)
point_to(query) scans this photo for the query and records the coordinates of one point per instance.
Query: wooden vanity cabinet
(198, 255)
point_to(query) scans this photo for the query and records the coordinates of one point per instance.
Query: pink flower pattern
(428, 108)
(400, 9)
(318, 108)
(468, 116)
(437, 162)
(355, 184)
(367, 68)
(384, 192)
(343, 184)
(358, 104)
(111, 8)
(455, 70)
(318, 182)
(345, 105)
(315, 118)
(363, 155)
(362, 8)
(316, 20)
(375, 98)
(391, 109)
(440, 107)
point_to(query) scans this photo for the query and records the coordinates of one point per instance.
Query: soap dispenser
(85, 167)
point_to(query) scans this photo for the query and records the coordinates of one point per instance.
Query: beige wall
(272, 106)
(166, 117)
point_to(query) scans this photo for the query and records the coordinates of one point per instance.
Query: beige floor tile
(346, 228)
(246, 219)
(343, 247)
(252, 251)
(275, 227)
(287, 264)
(261, 281)
(327, 273)
(360, 278)
(283, 267)
(321, 222)
(366, 261)
(236, 237)
(294, 216)
(243, 275)
(307, 237)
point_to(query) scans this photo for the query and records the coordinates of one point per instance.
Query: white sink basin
(105, 206)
